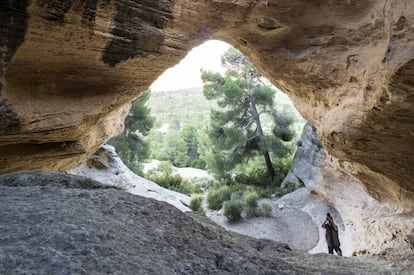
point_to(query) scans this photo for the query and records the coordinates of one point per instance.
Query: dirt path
(289, 225)
(295, 220)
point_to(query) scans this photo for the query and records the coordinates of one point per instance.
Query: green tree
(130, 144)
(236, 128)
(174, 149)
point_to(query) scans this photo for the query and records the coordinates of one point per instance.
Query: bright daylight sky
(186, 74)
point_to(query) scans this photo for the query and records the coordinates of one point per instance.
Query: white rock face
(367, 224)
(106, 167)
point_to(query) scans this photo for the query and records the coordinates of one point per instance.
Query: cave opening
(179, 123)
(70, 70)
(179, 144)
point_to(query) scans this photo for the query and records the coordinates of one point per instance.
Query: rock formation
(68, 70)
(366, 224)
(67, 224)
(106, 167)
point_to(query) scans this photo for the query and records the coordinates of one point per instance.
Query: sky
(186, 74)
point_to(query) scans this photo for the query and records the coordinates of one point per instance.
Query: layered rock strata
(68, 70)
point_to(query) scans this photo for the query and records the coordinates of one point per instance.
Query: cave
(69, 70)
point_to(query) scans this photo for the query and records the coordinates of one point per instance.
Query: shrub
(196, 202)
(265, 192)
(216, 197)
(169, 181)
(237, 196)
(266, 209)
(197, 188)
(232, 210)
(172, 182)
(250, 199)
(251, 211)
(257, 177)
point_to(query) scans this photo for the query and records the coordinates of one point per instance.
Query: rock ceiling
(68, 70)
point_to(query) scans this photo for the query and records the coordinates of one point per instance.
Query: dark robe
(331, 235)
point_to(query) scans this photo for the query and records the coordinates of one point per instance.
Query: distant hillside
(189, 106)
(183, 106)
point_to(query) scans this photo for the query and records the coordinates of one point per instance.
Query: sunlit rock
(69, 69)
(106, 167)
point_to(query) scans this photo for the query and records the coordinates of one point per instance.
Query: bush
(216, 197)
(265, 192)
(256, 176)
(266, 209)
(250, 199)
(251, 211)
(164, 177)
(196, 202)
(237, 196)
(169, 181)
(232, 210)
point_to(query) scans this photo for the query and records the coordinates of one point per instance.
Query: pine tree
(130, 144)
(236, 128)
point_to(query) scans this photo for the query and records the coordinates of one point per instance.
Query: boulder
(54, 223)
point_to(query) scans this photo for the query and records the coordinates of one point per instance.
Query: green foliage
(250, 203)
(246, 196)
(250, 199)
(266, 209)
(216, 197)
(266, 192)
(282, 167)
(257, 176)
(236, 128)
(172, 182)
(180, 133)
(251, 211)
(232, 210)
(130, 145)
(196, 202)
(163, 175)
(182, 148)
(237, 196)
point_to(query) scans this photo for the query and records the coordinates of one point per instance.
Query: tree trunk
(269, 165)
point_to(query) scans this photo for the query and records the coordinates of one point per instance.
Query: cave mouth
(177, 103)
(69, 70)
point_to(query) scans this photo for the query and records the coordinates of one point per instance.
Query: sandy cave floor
(295, 220)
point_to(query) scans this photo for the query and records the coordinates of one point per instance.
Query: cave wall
(68, 70)
(369, 226)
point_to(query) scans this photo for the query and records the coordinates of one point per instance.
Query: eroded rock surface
(366, 224)
(106, 167)
(68, 70)
(54, 223)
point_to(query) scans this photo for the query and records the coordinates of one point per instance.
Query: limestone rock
(54, 223)
(69, 69)
(106, 167)
(365, 223)
(307, 159)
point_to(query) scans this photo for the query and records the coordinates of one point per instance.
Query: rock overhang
(69, 70)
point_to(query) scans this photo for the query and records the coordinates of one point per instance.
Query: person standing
(331, 235)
